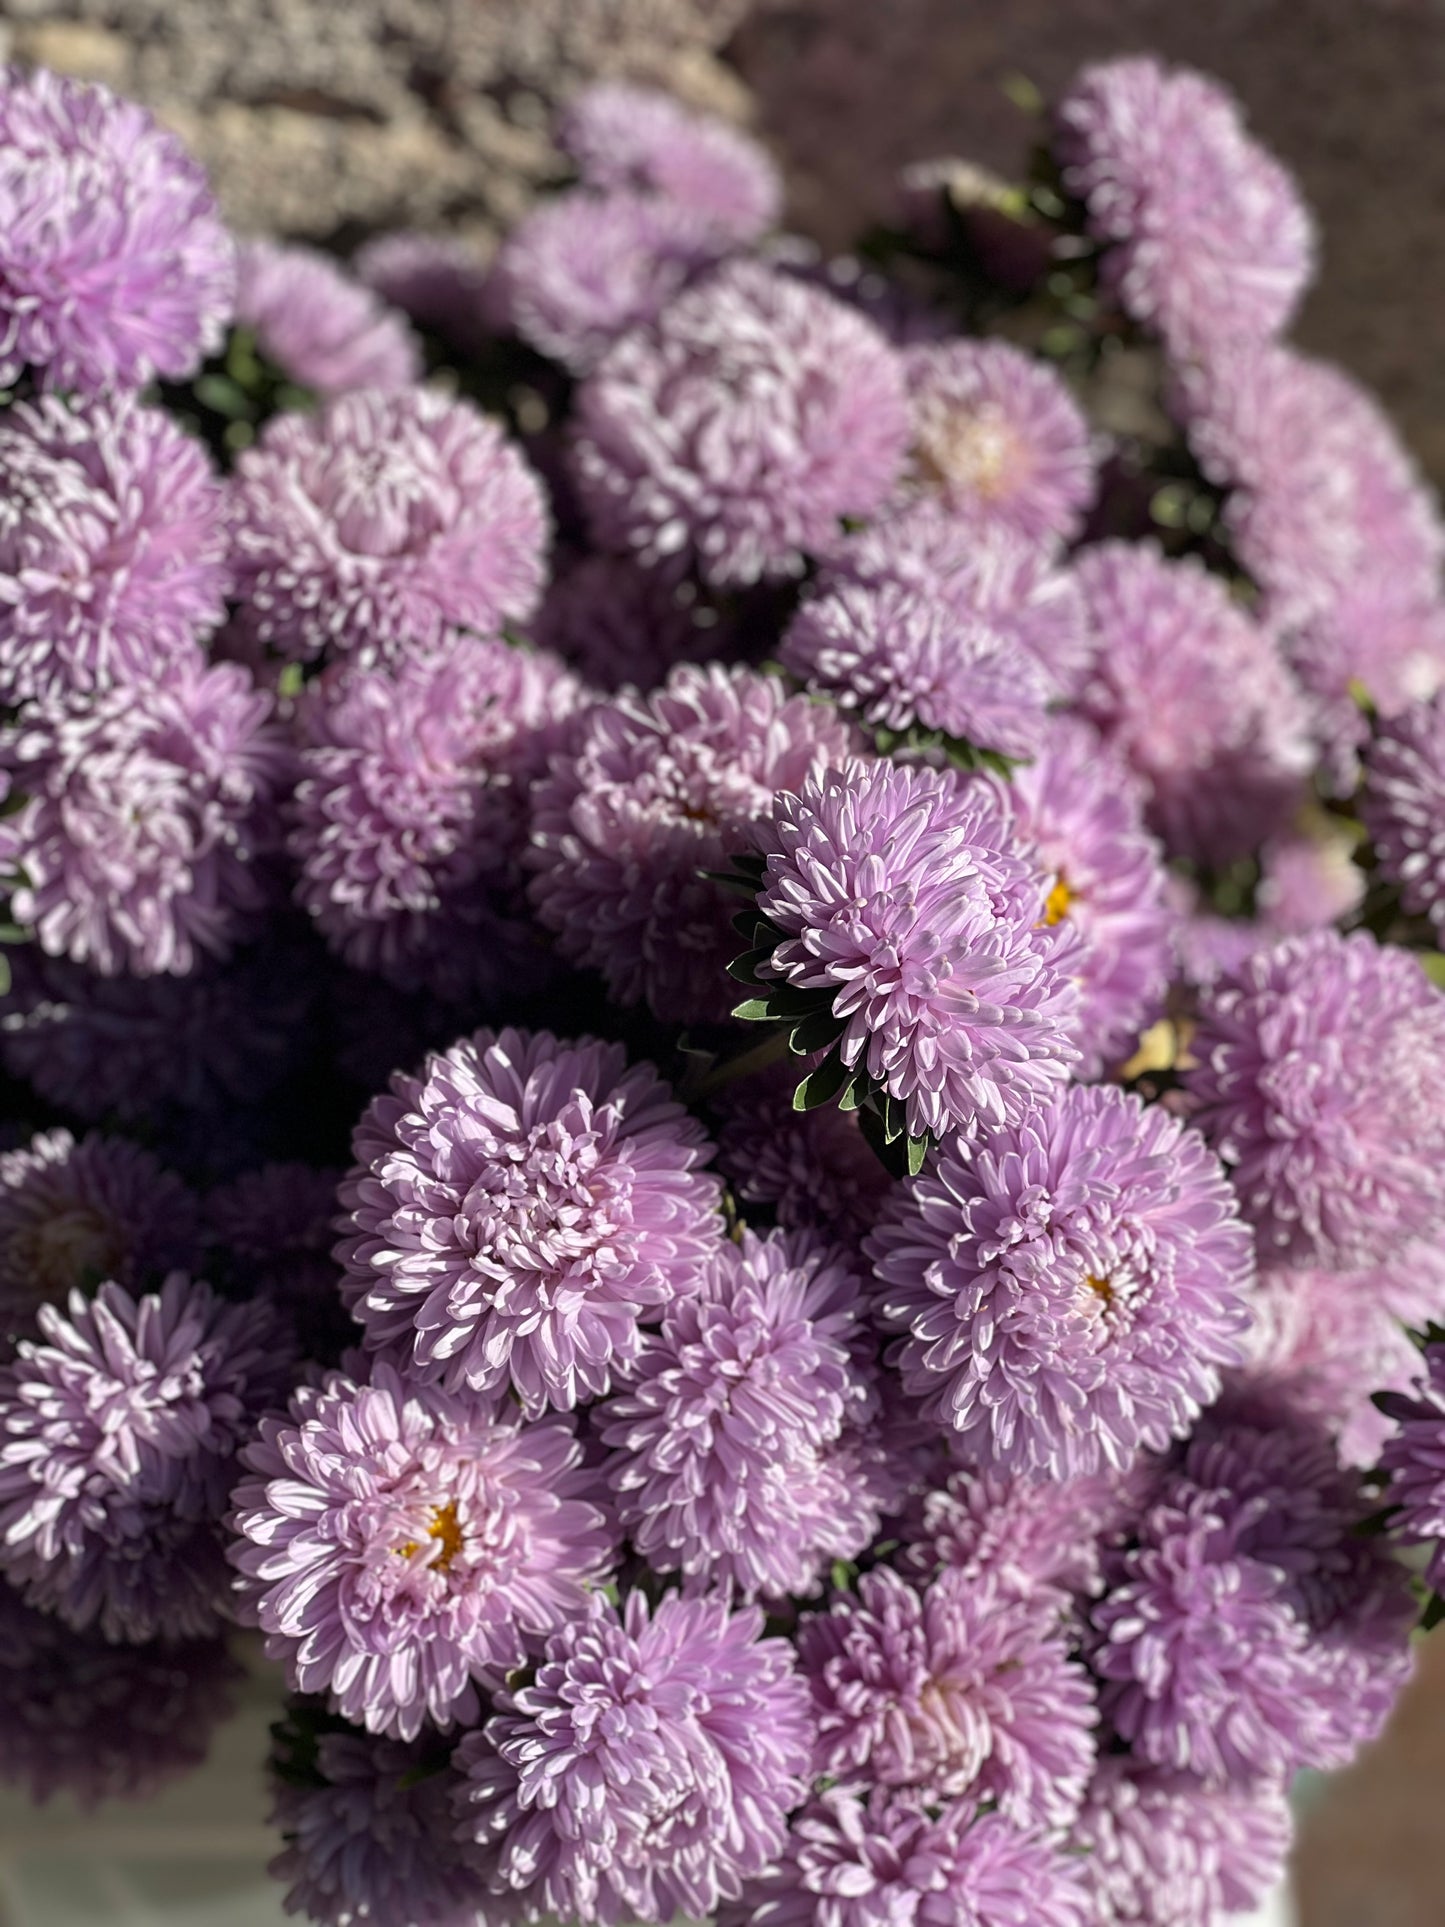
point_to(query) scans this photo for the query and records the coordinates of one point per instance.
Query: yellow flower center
(1100, 1287)
(1056, 903)
(446, 1528)
(958, 449)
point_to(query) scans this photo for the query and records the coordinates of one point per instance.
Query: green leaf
(918, 1148)
(816, 1032)
(745, 968)
(854, 1092)
(822, 1084)
(752, 1010)
(291, 681)
(1433, 964)
(729, 880)
(1434, 1612)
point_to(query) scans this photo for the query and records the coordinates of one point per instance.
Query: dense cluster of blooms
(726, 1092)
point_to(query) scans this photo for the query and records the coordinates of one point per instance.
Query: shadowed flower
(814, 1169)
(1403, 807)
(1414, 1458)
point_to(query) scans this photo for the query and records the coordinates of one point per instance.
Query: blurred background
(335, 119)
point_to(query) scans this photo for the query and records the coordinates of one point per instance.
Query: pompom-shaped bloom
(1083, 815)
(738, 1447)
(813, 1169)
(1319, 1076)
(649, 1768)
(1193, 696)
(74, 1214)
(1249, 1627)
(615, 622)
(1165, 1850)
(368, 1827)
(1414, 1457)
(411, 803)
(146, 812)
(1013, 585)
(998, 438)
(963, 1689)
(269, 1233)
(742, 429)
(907, 896)
(625, 136)
(1207, 239)
(437, 280)
(115, 266)
(118, 1431)
(1067, 1287)
(397, 1544)
(581, 269)
(517, 1209)
(654, 792)
(1308, 878)
(1403, 807)
(83, 1716)
(374, 525)
(1020, 1534)
(323, 330)
(890, 1863)
(112, 551)
(897, 657)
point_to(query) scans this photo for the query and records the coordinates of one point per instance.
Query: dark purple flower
(145, 814)
(742, 429)
(114, 264)
(1249, 1626)
(654, 792)
(615, 622)
(1083, 814)
(891, 1862)
(118, 1432)
(963, 1689)
(813, 1169)
(1068, 1287)
(112, 550)
(437, 280)
(1403, 807)
(518, 1209)
(1192, 694)
(897, 656)
(321, 329)
(82, 1716)
(1319, 1076)
(397, 1544)
(411, 804)
(906, 895)
(1207, 239)
(270, 1235)
(372, 526)
(649, 1768)
(74, 1214)
(740, 1447)
(1414, 1457)
(998, 438)
(624, 136)
(368, 1827)
(1164, 1850)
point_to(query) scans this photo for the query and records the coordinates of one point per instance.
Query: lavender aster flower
(1022, 1535)
(145, 812)
(580, 270)
(270, 1235)
(118, 1430)
(372, 526)
(436, 280)
(738, 1450)
(411, 804)
(82, 1716)
(1207, 239)
(1249, 1627)
(397, 1544)
(963, 1689)
(322, 329)
(1083, 815)
(1165, 1850)
(851, 1864)
(74, 1214)
(368, 1827)
(1308, 878)
(813, 1169)
(905, 895)
(517, 1209)
(1318, 1076)
(998, 438)
(1414, 1457)
(615, 622)
(994, 575)
(649, 1768)
(1068, 1286)
(898, 657)
(114, 266)
(654, 792)
(1193, 696)
(624, 136)
(741, 430)
(1403, 807)
(112, 552)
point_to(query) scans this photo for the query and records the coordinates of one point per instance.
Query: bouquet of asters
(725, 1088)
